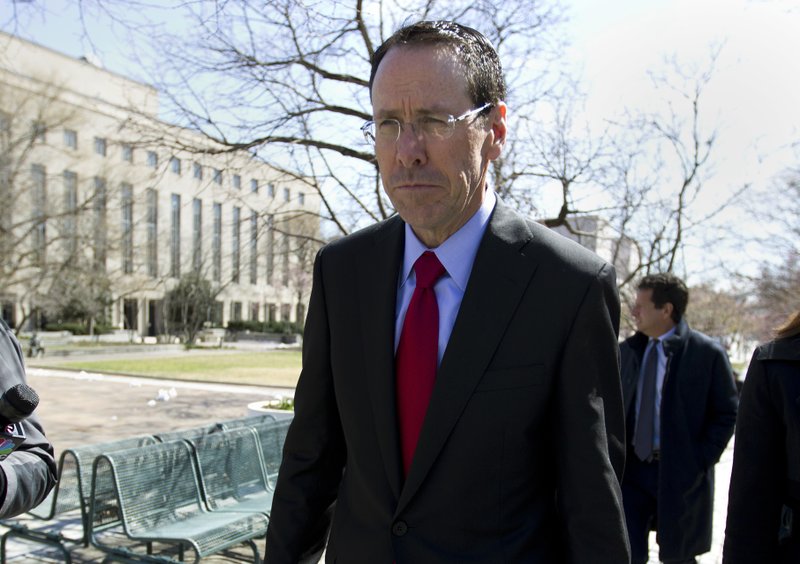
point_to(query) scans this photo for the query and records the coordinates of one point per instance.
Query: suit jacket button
(399, 528)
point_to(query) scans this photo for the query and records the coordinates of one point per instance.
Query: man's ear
(668, 309)
(499, 130)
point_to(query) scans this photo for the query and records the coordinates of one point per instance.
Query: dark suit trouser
(640, 499)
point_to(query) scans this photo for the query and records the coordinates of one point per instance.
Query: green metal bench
(159, 500)
(248, 421)
(187, 433)
(227, 424)
(71, 495)
(271, 438)
(232, 476)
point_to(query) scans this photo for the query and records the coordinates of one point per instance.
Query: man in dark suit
(460, 397)
(681, 401)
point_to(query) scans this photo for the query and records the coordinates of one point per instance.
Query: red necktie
(417, 355)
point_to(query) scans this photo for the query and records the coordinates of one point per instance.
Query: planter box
(260, 407)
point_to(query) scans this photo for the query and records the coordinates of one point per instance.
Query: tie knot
(428, 269)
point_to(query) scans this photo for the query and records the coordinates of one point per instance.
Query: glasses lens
(435, 127)
(368, 129)
(388, 129)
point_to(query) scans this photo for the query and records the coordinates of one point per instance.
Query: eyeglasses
(432, 126)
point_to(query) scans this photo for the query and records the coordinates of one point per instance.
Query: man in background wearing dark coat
(680, 401)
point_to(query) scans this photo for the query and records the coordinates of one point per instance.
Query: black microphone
(17, 403)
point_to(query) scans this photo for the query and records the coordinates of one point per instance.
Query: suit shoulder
(704, 340)
(787, 348)
(364, 237)
(547, 244)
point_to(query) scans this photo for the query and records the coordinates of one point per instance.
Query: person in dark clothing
(764, 497)
(681, 401)
(29, 473)
(460, 397)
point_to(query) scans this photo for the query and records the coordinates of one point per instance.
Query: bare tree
(777, 283)
(657, 168)
(288, 81)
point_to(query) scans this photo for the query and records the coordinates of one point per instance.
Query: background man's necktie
(417, 355)
(643, 438)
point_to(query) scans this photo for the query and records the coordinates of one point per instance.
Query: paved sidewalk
(78, 407)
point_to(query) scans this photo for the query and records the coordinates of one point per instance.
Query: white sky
(754, 94)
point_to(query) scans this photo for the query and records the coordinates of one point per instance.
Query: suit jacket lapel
(378, 272)
(499, 278)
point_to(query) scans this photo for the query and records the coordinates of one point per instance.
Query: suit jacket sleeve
(30, 470)
(314, 451)
(591, 429)
(758, 476)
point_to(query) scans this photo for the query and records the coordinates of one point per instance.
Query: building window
(197, 171)
(287, 195)
(71, 138)
(237, 182)
(300, 316)
(175, 237)
(127, 153)
(270, 250)
(236, 244)
(100, 146)
(175, 165)
(197, 234)
(285, 258)
(253, 247)
(271, 190)
(152, 159)
(130, 314)
(100, 223)
(39, 132)
(254, 309)
(254, 186)
(286, 312)
(272, 313)
(70, 222)
(217, 176)
(217, 243)
(152, 232)
(39, 209)
(216, 313)
(301, 199)
(127, 228)
(236, 311)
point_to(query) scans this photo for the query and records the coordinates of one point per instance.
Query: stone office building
(96, 191)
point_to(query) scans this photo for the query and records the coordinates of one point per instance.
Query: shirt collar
(668, 334)
(661, 339)
(458, 251)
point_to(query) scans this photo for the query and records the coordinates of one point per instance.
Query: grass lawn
(271, 368)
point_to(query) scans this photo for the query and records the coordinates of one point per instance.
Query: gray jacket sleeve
(29, 471)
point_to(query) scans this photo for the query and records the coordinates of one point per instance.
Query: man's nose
(411, 147)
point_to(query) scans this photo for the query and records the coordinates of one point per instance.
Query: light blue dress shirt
(457, 254)
(661, 372)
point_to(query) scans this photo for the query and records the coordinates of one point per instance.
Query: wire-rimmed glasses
(430, 126)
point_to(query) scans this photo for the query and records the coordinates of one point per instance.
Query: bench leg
(32, 538)
(256, 556)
